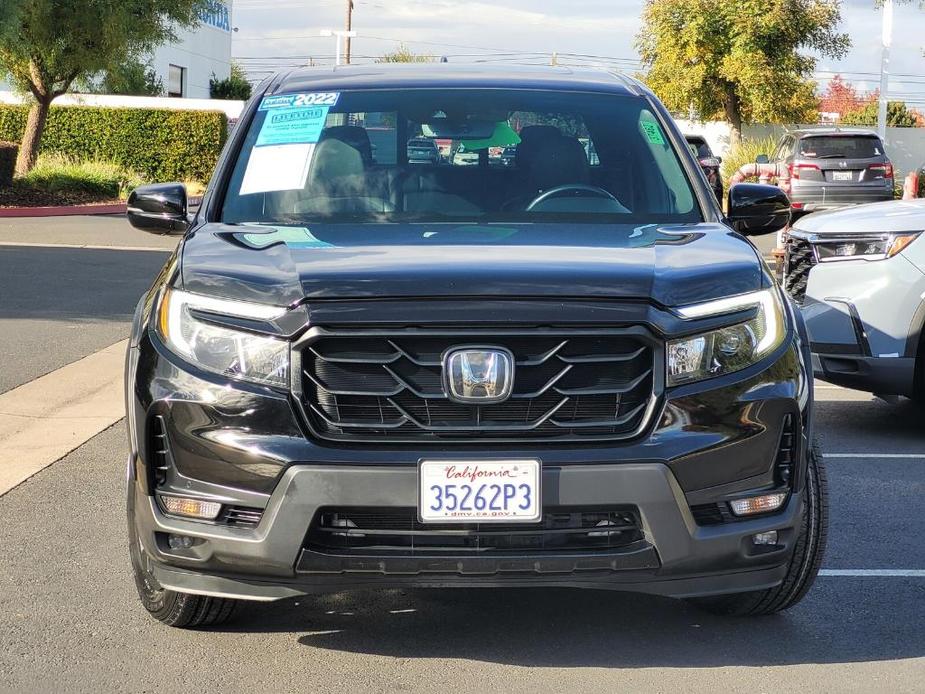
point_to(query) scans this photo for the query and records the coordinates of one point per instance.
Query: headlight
(728, 349)
(232, 353)
(867, 247)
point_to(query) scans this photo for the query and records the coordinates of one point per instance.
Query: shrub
(8, 152)
(160, 144)
(56, 173)
(745, 152)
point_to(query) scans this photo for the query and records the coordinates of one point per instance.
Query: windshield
(343, 156)
(841, 147)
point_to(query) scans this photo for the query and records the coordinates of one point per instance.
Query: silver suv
(834, 168)
(858, 275)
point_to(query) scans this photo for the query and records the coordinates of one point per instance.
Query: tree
(403, 54)
(739, 59)
(235, 86)
(132, 78)
(55, 42)
(898, 115)
(840, 97)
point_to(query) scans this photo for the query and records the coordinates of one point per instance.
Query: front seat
(337, 182)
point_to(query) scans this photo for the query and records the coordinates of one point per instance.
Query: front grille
(398, 532)
(798, 261)
(373, 386)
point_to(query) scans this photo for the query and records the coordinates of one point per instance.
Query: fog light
(191, 508)
(180, 542)
(757, 504)
(768, 538)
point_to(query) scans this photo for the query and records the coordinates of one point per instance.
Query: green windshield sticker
(293, 237)
(652, 131)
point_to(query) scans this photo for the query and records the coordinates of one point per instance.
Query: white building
(186, 65)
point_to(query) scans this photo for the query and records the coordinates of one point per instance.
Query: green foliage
(403, 54)
(745, 151)
(898, 115)
(740, 59)
(160, 144)
(132, 78)
(54, 42)
(235, 86)
(8, 152)
(56, 173)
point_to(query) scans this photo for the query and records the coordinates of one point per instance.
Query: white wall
(904, 146)
(232, 109)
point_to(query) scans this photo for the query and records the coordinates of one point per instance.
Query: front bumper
(864, 319)
(245, 445)
(677, 558)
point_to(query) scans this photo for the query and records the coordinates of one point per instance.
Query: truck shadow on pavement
(842, 620)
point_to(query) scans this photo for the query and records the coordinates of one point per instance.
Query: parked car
(834, 168)
(857, 274)
(422, 150)
(464, 157)
(709, 162)
(556, 374)
(509, 156)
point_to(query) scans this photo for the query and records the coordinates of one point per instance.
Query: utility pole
(348, 28)
(886, 39)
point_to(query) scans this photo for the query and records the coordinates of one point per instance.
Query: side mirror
(762, 159)
(756, 208)
(158, 208)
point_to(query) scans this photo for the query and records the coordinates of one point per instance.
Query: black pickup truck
(573, 371)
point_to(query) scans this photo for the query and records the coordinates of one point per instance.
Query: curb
(65, 210)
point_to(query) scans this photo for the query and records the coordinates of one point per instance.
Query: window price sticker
(294, 118)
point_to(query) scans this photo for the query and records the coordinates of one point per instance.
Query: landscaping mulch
(21, 196)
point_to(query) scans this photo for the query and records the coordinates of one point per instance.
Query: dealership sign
(216, 14)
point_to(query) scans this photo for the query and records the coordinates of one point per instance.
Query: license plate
(481, 491)
(842, 176)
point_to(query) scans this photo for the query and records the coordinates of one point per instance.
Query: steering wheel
(558, 190)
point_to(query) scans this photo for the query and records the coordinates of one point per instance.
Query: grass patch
(745, 152)
(58, 175)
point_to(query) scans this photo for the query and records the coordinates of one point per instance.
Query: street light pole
(886, 39)
(339, 34)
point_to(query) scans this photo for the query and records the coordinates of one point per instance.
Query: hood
(672, 265)
(878, 217)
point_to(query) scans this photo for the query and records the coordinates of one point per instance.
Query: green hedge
(161, 145)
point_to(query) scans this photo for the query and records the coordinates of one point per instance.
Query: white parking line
(882, 573)
(45, 419)
(906, 456)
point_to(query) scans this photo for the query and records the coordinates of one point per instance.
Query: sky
(276, 34)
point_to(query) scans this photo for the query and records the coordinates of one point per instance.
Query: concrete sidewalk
(104, 231)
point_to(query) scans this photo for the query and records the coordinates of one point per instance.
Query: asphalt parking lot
(70, 621)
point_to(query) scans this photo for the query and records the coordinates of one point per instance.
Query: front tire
(175, 609)
(804, 564)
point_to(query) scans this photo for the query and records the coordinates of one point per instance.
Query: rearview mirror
(762, 159)
(756, 208)
(159, 208)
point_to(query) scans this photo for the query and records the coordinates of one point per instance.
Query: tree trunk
(733, 114)
(32, 137)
